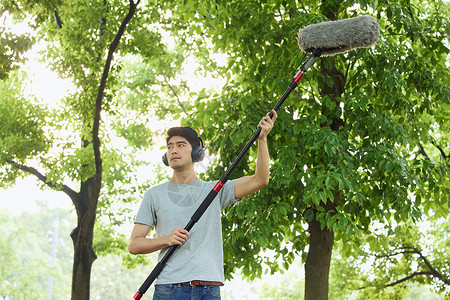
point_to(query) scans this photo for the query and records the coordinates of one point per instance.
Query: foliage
(26, 251)
(22, 125)
(387, 259)
(12, 48)
(360, 150)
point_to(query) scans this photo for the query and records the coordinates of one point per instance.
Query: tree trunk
(317, 265)
(86, 204)
(82, 237)
(84, 256)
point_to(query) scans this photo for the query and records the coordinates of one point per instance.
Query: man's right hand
(141, 244)
(178, 237)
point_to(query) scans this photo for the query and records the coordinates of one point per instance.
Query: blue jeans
(185, 292)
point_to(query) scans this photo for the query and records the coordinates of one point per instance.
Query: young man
(195, 270)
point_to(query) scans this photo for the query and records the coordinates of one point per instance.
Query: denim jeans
(185, 292)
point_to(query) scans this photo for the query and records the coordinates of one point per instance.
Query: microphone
(334, 37)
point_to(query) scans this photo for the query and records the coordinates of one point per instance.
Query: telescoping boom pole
(216, 189)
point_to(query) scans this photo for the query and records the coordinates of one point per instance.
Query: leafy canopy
(357, 147)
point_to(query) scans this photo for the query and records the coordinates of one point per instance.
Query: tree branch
(432, 271)
(33, 171)
(441, 151)
(58, 19)
(422, 151)
(101, 89)
(176, 96)
(411, 15)
(408, 277)
(444, 156)
(395, 254)
(281, 16)
(102, 23)
(350, 67)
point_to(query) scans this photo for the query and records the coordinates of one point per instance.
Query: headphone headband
(202, 144)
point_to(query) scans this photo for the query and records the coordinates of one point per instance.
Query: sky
(23, 196)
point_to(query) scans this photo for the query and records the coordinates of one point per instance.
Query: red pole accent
(137, 296)
(218, 186)
(299, 77)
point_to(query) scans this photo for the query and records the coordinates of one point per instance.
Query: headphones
(197, 154)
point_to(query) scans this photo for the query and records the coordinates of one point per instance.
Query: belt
(203, 283)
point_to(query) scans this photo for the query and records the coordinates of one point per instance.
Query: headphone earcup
(164, 159)
(198, 154)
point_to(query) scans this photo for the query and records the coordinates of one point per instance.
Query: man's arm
(246, 185)
(141, 244)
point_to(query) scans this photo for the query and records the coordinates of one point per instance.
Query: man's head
(186, 134)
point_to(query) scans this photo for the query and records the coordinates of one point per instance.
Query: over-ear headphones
(197, 154)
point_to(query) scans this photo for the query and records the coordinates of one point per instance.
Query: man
(195, 271)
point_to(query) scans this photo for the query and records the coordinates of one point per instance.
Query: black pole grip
(201, 209)
(155, 272)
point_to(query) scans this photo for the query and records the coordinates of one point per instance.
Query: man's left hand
(266, 124)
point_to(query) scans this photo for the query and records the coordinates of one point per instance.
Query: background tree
(26, 256)
(347, 148)
(393, 261)
(26, 251)
(70, 147)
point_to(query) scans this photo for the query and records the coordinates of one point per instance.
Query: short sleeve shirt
(169, 206)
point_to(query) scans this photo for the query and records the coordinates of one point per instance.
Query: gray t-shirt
(169, 206)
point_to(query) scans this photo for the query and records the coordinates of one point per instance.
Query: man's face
(179, 152)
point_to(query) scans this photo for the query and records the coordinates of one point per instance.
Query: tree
(68, 148)
(347, 148)
(387, 263)
(26, 255)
